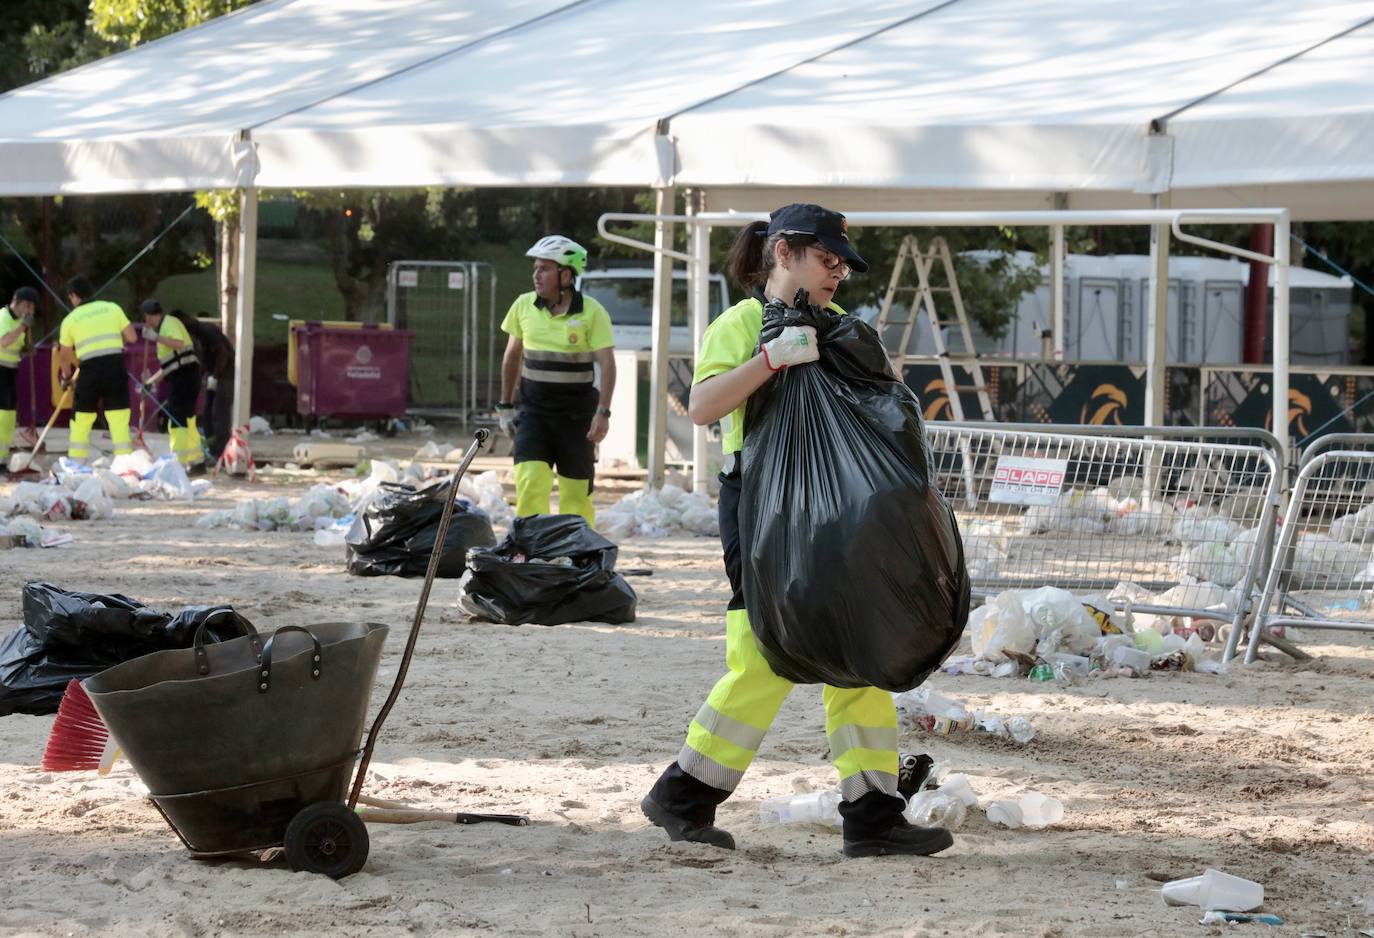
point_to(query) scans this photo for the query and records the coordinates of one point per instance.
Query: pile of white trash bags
(1213, 547)
(329, 510)
(78, 492)
(1083, 634)
(658, 513)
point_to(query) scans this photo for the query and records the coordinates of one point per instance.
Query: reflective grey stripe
(580, 357)
(709, 771)
(102, 337)
(729, 729)
(557, 377)
(852, 736)
(100, 353)
(170, 367)
(856, 786)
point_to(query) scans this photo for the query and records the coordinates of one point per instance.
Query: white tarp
(962, 103)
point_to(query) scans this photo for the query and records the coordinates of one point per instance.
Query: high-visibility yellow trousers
(860, 723)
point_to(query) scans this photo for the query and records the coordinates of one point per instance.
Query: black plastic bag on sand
(68, 634)
(854, 571)
(550, 569)
(395, 535)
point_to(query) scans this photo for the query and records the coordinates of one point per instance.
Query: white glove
(796, 345)
(505, 416)
(149, 334)
(26, 320)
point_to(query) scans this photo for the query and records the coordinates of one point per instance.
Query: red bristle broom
(79, 740)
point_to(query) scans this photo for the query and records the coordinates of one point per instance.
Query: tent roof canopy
(1012, 103)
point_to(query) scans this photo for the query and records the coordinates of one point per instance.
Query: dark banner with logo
(1091, 394)
(929, 385)
(1316, 402)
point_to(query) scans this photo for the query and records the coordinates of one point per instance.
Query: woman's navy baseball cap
(829, 228)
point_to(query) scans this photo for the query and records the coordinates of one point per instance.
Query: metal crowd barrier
(1089, 511)
(1322, 576)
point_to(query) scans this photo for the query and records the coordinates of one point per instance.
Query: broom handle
(440, 536)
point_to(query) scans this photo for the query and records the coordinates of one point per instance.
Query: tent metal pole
(243, 325)
(1057, 259)
(1156, 334)
(662, 321)
(699, 272)
(1282, 243)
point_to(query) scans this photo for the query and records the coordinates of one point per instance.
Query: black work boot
(681, 828)
(874, 827)
(685, 807)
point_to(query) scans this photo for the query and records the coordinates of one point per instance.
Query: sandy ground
(1263, 772)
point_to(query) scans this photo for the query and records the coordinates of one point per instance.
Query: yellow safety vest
(558, 365)
(171, 359)
(94, 330)
(729, 342)
(9, 354)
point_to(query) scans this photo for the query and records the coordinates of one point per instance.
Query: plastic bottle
(816, 807)
(936, 809)
(1021, 730)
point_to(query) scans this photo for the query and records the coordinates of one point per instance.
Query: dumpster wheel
(327, 838)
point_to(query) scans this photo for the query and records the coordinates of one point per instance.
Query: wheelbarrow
(249, 744)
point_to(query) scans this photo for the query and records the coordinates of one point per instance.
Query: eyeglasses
(832, 261)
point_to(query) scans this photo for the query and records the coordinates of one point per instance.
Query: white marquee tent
(924, 104)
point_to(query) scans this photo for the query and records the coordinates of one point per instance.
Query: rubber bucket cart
(250, 744)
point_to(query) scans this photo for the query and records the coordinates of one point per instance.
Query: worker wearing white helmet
(557, 339)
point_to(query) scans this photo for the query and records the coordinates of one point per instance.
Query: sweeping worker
(15, 321)
(94, 334)
(557, 339)
(179, 367)
(800, 247)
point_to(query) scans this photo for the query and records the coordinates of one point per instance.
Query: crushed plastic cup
(1005, 813)
(1130, 658)
(1182, 891)
(957, 786)
(1038, 810)
(936, 809)
(1215, 890)
(815, 807)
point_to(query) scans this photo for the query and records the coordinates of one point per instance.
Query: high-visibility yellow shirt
(171, 359)
(9, 354)
(730, 341)
(94, 329)
(558, 365)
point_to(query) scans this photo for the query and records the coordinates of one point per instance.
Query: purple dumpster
(351, 372)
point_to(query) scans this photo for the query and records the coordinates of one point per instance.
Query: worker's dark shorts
(102, 379)
(184, 385)
(727, 511)
(561, 441)
(9, 398)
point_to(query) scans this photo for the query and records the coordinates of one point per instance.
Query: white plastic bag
(999, 626)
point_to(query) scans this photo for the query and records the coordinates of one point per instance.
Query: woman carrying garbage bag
(807, 247)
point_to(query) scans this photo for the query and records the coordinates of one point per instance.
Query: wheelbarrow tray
(230, 756)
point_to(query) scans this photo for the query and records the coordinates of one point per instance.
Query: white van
(627, 294)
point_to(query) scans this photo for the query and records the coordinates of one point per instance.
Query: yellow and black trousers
(725, 734)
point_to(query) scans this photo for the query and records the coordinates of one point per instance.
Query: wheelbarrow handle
(440, 536)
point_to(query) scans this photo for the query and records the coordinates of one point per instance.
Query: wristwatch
(604, 411)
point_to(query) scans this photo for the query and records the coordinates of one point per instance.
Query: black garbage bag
(550, 569)
(395, 535)
(854, 571)
(68, 634)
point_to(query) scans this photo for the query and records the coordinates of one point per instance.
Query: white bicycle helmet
(562, 251)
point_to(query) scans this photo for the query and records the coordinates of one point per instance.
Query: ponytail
(751, 256)
(745, 263)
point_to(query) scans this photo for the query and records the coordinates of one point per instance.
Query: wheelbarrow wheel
(327, 838)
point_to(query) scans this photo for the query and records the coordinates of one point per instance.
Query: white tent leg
(1057, 290)
(1156, 334)
(662, 321)
(243, 331)
(698, 272)
(1281, 336)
